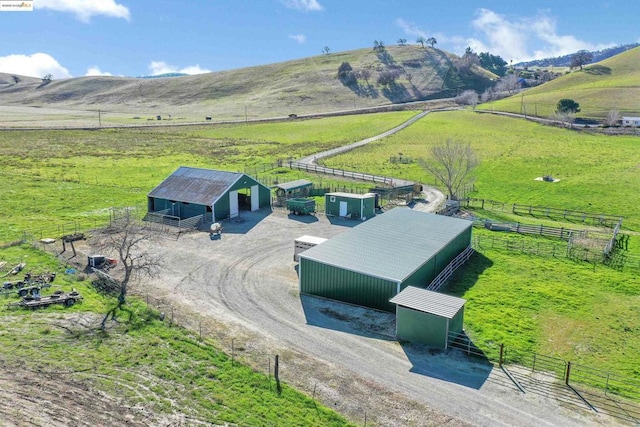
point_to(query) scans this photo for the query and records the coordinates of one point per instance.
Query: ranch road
(245, 283)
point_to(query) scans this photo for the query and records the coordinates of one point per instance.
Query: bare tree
(432, 41)
(46, 79)
(509, 83)
(613, 117)
(326, 50)
(402, 42)
(421, 40)
(564, 117)
(452, 164)
(581, 58)
(126, 242)
(468, 97)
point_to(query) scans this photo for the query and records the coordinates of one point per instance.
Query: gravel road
(246, 281)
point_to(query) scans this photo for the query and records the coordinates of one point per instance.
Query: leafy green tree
(346, 74)
(580, 58)
(402, 42)
(421, 40)
(567, 106)
(432, 41)
(493, 63)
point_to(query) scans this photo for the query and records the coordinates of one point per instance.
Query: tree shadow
(597, 70)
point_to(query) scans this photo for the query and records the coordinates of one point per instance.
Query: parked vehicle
(301, 206)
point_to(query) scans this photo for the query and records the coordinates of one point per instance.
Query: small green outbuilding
(189, 192)
(372, 262)
(427, 317)
(355, 206)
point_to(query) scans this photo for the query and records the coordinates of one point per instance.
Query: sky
(75, 38)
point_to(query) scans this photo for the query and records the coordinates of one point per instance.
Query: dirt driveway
(245, 282)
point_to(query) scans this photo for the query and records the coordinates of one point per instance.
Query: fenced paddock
(573, 384)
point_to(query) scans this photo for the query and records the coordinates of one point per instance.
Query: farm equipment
(30, 284)
(216, 229)
(301, 206)
(58, 297)
(101, 262)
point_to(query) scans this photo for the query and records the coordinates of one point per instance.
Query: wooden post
(276, 372)
(501, 355)
(566, 377)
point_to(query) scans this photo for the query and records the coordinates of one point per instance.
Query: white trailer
(303, 243)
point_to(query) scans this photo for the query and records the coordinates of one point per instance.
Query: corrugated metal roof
(194, 185)
(429, 302)
(351, 195)
(293, 185)
(390, 246)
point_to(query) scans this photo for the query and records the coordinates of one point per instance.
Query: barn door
(343, 209)
(233, 204)
(255, 198)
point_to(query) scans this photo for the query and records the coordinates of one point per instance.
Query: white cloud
(95, 71)
(36, 65)
(524, 38)
(85, 9)
(307, 5)
(410, 28)
(160, 67)
(300, 38)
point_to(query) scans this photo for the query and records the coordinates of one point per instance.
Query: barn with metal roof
(189, 192)
(372, 262)
(427, 317)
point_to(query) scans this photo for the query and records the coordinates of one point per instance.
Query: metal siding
(191, 210)
(221, 208)
(425, 328)
(423, 275)
(369, 207)
(348, 286)
(457, 323)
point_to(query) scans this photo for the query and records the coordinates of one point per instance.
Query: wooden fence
(448, 271)
(541, 230)
(601, 220)
(359, 176)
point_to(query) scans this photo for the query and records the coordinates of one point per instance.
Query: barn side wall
(419, 327)
(343, 285)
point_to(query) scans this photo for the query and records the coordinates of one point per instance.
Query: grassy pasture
(552, 306)
(144, 360)
(58, 176)
(599, 88)
(597, 173)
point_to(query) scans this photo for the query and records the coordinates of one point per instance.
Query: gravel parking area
(245, 282)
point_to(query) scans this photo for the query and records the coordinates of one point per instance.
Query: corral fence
(600, 220)
(359, 176)
(531, 372)
(448, 271)
(540, 230)
(161, 219)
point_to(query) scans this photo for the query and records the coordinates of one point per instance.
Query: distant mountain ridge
(565, 60)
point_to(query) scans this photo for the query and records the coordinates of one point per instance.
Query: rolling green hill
(303, 86)
(599, 88)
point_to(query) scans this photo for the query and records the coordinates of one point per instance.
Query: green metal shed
(427, 317)
(371, 263)
(219, 195)
(356, 206)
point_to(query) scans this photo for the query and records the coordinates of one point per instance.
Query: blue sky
(73, 38)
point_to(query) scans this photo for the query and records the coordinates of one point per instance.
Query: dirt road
(246, 282)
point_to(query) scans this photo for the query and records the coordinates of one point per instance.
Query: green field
(612, 84)
(575, 311)
(160, 367)
(53, 177)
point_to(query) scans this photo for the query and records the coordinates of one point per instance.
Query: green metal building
(355, 206)
(371, 263)
(219, 195)
(427, 317)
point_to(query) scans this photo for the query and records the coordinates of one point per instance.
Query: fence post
(566, 380)
(533, 367)
(501, 355)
